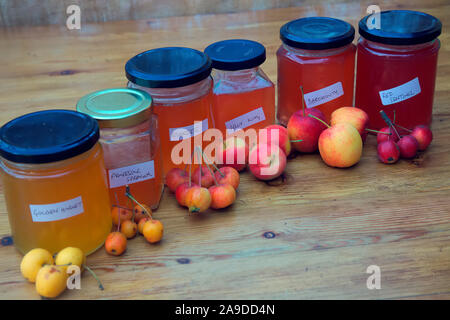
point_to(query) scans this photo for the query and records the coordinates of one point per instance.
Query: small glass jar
(178, 80)
(244, 97)
(54, 181)
(317, 53)
(396, 67)
(130, 140)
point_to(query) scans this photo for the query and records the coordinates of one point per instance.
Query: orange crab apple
(228, 175)
(354, 116)
(198, 199)
(175, 177)
(181, 192)
(222, 195)
(267, 162)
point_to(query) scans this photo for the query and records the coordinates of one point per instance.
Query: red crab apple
(222, 195)
(205, 178)
(175, 177)
(233, 152)
(408, 146)
(267, 162)
(385, 137)
(279, 133)
(302, 127)
(388, 151)
(182, 191)
(354, 116)
(423, 135)
(228, 175)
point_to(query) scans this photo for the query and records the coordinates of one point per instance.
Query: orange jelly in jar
(317, 53)
(130, 140)
(54, 181)
(179, 82)
(396, 67)
(244, 97)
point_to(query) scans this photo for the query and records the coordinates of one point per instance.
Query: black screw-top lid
(48, 136)
(317, 33)
(236, 54)
(169, 67)
(402, 27)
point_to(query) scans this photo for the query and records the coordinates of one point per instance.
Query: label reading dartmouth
(245, 120)
(56, 211)
(321, 96)
(131, 174)
(400, 93)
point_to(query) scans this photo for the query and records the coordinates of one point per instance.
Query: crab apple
(267, 162)
(385, 137)
(408, 146)
(228, 175)
(278, 133)
(175, 177)
(388, 151)
(302, 127)
(233, 152)
(222, 195)
(423, 135)
(203, 177)
(354, 116)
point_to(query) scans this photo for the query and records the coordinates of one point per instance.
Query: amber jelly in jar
(179, 82)
(54, 181)
(130, 140)
(244, 97)
(317, 53)
(396, 67)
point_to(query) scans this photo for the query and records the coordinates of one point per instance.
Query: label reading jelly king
(131, 174)
(400, 93)
(245, 120)
(177, 134)
(321, 96)
(56, 211)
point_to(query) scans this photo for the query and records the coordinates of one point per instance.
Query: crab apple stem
(117, 201)
(303, 101)
(207, 160)
(393, 121)
(130, 196)
(100, 285)
(295, 140)
(377, 131)
(389, 122)
(312, 116)
(207, 165)
(403, 128)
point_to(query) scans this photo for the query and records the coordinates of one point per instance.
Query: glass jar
(54, 181)
(244, 97)
(130, 140)
(178, 80)
(396, 67)
(317, 53)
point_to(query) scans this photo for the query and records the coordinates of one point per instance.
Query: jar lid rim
(47, 136)
(402, 27)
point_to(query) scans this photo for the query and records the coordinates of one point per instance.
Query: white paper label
(177, 134)
(56, 211)
(321, 96)
(400, 93)
(131, 174)
(246, 120)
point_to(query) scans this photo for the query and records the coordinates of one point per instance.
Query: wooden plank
(311, 237)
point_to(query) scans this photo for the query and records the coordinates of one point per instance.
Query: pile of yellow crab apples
(50, 275)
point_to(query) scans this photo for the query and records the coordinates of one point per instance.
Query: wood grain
(312, 236)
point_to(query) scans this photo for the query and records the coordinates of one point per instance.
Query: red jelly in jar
(396, 67)
(317, 53)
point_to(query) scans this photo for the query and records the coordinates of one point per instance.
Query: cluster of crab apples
(392, 145)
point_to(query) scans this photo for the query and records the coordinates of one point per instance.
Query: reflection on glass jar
(130, 139)
(54, 181)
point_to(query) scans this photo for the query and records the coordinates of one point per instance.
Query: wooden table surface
(311, 237)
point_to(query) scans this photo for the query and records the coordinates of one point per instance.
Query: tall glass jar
(317, 53)
(54, 181)
(178, 80)
(130, 139)
(396, 67)
(244, 97)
